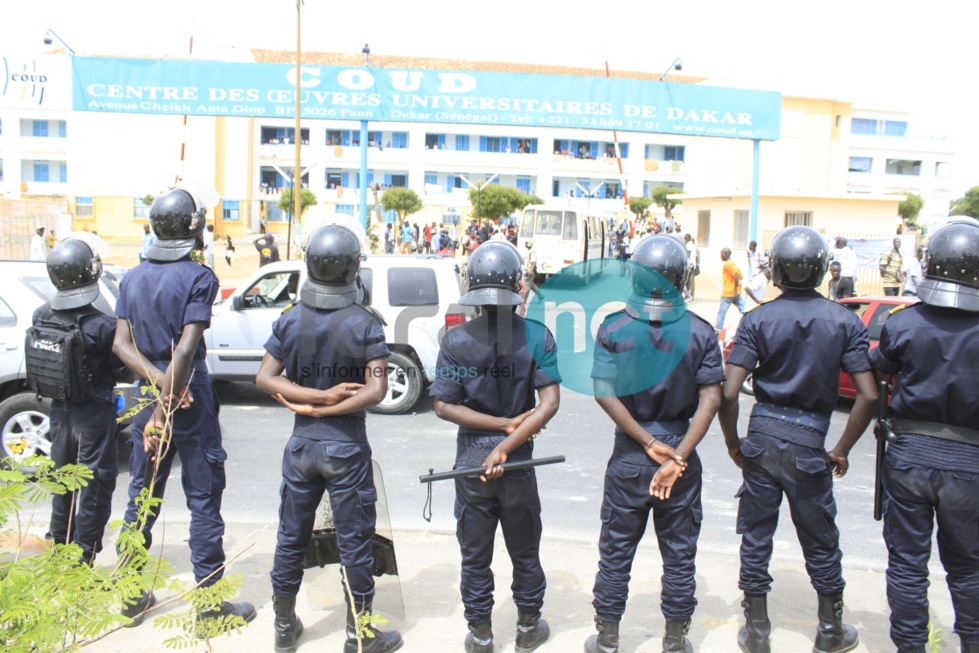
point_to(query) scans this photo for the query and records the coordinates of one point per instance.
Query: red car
(872, 312)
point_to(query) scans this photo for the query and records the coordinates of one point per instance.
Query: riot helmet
(493, 275)
(951, 266)
(333, 269)
(177, 218)
(659, 275)
(74, 270)
(799, 258)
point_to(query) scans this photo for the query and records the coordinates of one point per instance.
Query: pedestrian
(731, 290)
(417, 238)
(757, 287)
(927, 354)
(52, 240)
(148, 239)
(489, 370)
(261, 224)
(208, 238)
(835, 280)
(38, 250)
(891, 267)
(229, 250)
(912, 273)
(796, 384)
(693, 262)
(83, 411)
(388, 240)
(268, 249)
(847, 259)
(755, 260)
(429, 233)
(329, 330)
(529, 287)
(163, 309)
(407, 239)
(659, 421)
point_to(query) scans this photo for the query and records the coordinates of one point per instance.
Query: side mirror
(237, 302)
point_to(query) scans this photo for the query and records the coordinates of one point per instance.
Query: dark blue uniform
(494, 365)
(86, 434)
(795, 347)
(320, 349)
(933, 351)
(158, 300)
(664, 410)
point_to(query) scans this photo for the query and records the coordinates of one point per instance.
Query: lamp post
(297, 180)
(479, 194)
(47, 40)
(676, 65)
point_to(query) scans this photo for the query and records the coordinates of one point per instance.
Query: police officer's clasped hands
(331, 397)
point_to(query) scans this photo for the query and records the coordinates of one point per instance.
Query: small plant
(935, 638)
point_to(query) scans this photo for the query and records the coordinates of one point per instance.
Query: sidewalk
(429, 566)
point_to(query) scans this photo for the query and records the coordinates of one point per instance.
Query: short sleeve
(603, 362)
(122, 302)
(711, 368)
(744, 353)
(547, 371)
(375, 346)
(447, 387)
(885, 356)
(274, 344)
(202, 295)
(855, 358)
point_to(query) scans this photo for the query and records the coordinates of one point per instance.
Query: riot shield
(323, 578)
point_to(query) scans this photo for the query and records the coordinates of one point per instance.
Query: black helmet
(333, 266)
(951, 266)
(493, 275)
(799, 258)
(658, 278)
(177, 218)
(74, 270)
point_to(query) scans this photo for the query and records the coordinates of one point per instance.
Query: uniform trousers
(915, 496)
(84, 434)
(772, 467)
(625, 513)
(344, 470)
(197, 440)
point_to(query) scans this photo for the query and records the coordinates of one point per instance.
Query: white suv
(417, 296)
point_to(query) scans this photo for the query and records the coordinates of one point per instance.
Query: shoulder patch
(290, 307)
(898, 309)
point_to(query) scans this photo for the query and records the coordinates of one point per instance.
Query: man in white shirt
(693, 263)
(38, 250)
(209, 246)
(847, 259)
(756, 287)
(755, 260)
(912, 273)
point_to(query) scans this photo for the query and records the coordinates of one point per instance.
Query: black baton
(883, 433)
(479, 471)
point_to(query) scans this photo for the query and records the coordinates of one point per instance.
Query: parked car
(416, 295)
(873, 311)
(24, 417)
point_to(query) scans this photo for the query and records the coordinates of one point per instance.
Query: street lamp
(479, 193)
(676, 65)
(47, 41)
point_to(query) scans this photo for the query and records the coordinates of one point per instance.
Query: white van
(417, 296)
(564, 236)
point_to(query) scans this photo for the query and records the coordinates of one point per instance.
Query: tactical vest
(54, 353)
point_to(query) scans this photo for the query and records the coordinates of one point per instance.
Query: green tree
(968, 205)
(306, 199)
(496, 201)
(640, 206)
(659, 195)
(403, 200)
(910, 208)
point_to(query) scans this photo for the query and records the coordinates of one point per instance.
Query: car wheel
(404, 386)
(24, 424)
(748, 387)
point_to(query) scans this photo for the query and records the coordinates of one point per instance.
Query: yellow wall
(113, 219)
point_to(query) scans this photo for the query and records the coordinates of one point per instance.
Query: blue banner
(217, 88)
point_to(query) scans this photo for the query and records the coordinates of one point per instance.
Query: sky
(897, 54)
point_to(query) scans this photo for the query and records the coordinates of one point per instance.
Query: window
(399, 181)
(570, 226)
(585, 150)
(863, 126)
(879, 127)
(63, 172)
(527, 225)
(793, 218)
(523, 184)
(230, 209)
(903, 167)
(7, 316)
(141, 210)
(895, 128)
(41, 171)
(412, 287)
(434, 141)
(462, 143)
(276, 290)
(861, 164)
(399, 140)
(431, 179)
(526, 146)
(555, 188)
(1, 169)
(548, 223)
(334, 137)
(273, 213)
(84, 206)
(62, 129)
(674, 152)
(941, 170)
(40, 128)
(334, 179)
(703, 228)
(741, 229)
(489, 144)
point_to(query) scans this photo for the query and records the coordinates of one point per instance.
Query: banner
(216, 88)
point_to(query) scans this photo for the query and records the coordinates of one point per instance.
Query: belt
(797, 415)
(936, 430)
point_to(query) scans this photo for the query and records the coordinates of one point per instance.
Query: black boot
(532, 631)
(753, 636)
(607, 640)
(227, 609)
(480, 637)
(675, 640)
(137, 611)
(832, 635)
(381, 642)
(288, 627)
(970, 647)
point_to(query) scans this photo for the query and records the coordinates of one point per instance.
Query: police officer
(795, 346)
(84, 433)
(163, 309)
(488, 372)
(928, 354)
(659, 419)
(334, 355)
